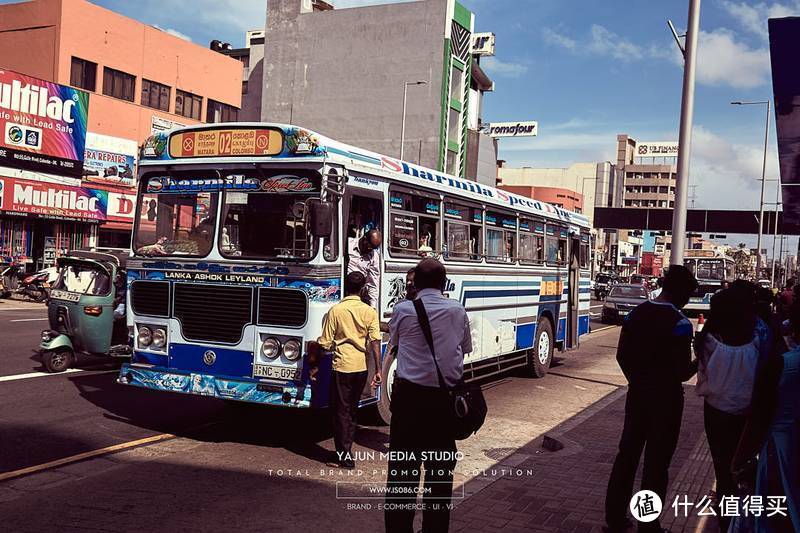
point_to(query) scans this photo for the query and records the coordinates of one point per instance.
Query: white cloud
(726, 173)
(753, 17)
(553, 37)
(607, 43)
(722, 60)
(500, 68)
(174, 32)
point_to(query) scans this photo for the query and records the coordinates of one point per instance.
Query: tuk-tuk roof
(116, 257)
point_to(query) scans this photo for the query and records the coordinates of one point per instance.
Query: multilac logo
(52, 198)
(35, 101)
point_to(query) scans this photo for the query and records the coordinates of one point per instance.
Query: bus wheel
(387, 374)
(540, 357)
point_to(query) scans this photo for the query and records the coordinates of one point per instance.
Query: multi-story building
(344, 73)
(138, 79)
(647, 172)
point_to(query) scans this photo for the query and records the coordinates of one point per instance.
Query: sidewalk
(566, 490)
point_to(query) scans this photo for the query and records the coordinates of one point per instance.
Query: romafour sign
(512, 129)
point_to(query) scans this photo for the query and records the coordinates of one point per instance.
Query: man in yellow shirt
(351, 331)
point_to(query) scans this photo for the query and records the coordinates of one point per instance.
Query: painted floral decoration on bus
(300, 141)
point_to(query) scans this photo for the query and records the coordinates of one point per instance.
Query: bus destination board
(226, 142)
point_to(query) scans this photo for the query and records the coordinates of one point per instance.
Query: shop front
(39, 221)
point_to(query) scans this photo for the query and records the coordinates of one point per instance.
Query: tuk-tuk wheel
(57, 360)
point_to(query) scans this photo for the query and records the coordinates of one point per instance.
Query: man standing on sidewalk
(655, 355)
(421, 410)
(351, 330)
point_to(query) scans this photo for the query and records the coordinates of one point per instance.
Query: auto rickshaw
(86, 310)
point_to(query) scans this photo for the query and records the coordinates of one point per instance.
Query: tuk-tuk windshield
(84, 279)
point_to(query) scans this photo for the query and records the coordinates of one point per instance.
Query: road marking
(579, 387)
(85, 455)
(2, 308)
(595, 306)
(27, 319)
(39, 374)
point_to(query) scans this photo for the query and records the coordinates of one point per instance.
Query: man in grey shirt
(421, 410)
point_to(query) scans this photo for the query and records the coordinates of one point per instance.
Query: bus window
(562, 246)
(551, 244)
(463, 231)
(414, 223)
(501, 237)
(531, 241)
(585, 250)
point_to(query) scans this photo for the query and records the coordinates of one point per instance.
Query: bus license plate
(276, 372)
(64, 295)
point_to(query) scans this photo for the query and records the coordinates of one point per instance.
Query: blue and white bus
(241, 241)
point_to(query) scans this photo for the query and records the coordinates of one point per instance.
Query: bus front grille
(282, 307)
(150, 298)
(212, 313)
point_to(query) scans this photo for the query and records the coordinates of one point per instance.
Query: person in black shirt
(655, 355)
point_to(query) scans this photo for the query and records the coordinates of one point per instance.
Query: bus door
(363, 211)
(573, 297)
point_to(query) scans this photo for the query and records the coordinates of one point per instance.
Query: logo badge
(645, 506)
(209, 357)
(15, 134)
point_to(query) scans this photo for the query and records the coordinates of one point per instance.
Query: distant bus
(711, 270)
(241, 241)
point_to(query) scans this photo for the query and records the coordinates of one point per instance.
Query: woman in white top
(728, 354)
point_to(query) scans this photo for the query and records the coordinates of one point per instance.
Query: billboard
(511, 129)
(656, 149)
(109, 160)
(483, 44)
(57, 201)
(43, 125)
(160, 124)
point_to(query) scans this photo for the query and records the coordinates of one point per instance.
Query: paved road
(252, 468)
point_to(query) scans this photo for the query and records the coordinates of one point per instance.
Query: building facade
(343, 73)
(137, 79)
(647, 172)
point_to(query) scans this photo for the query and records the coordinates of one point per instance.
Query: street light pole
(403, 124)
(763, 181)
(685, 137)
(775, 231)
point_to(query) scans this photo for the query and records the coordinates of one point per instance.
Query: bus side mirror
(321, 218)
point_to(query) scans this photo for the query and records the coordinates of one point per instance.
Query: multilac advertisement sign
(53, 200)
(109, 160)
(42, 125)
(656, 149)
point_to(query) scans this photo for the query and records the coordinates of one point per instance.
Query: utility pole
(685, 137)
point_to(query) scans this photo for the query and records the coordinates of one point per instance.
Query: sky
(586, 71)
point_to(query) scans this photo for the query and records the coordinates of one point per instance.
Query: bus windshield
(174, 222)
(270, 222)
(710, 269)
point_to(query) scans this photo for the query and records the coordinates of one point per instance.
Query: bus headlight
(271, 348)
(292, 350)
(159, 338)
(145, 337)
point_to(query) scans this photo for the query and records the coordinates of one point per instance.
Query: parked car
(621, 300)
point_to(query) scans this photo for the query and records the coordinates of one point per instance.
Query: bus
(711, 269)
(241, 240)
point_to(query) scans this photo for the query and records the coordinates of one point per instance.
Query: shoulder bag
(467, 405)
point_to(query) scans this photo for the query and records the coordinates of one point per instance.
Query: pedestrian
(352, 332)
(729, 350)
(365, 258)
(657, 291)
(420, 433)
(654, 353)
(773, 434)
(784, 300)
